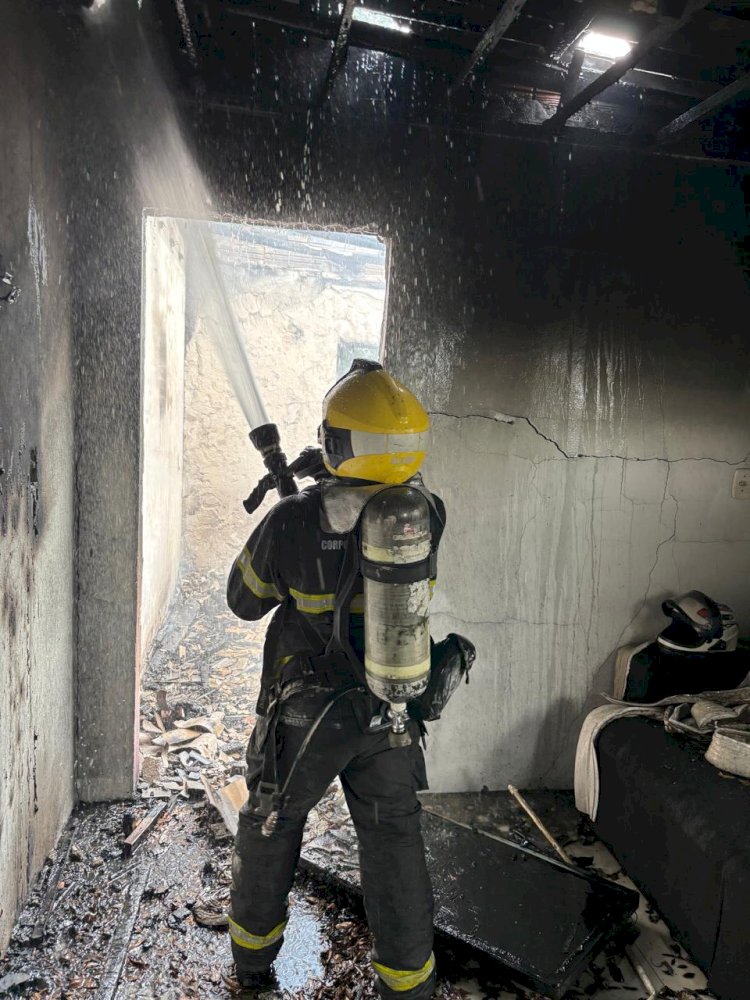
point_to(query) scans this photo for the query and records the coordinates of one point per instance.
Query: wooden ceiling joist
(340, 46)
(673, 129)
(571, 77)
(507, 14)
(656, 37)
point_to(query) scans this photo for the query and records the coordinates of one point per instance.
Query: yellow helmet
(373, 427)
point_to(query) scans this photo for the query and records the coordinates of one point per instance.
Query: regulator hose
(273, 818)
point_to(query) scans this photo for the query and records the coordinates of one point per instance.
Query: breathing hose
(273, 818)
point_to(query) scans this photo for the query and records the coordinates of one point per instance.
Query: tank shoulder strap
(342, 599)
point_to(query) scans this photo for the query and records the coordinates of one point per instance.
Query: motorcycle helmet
(698, 625)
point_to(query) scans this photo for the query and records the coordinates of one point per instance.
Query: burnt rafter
(448, 47)
(340, 46)
(507, 14)
(569, 33)
(571, 77)
(673, 129)
(656, 37)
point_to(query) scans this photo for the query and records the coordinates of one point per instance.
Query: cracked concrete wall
(36, 477)
(553, 563)
(570, 318)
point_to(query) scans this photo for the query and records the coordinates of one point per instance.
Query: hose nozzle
(268, 442)
(266, 439)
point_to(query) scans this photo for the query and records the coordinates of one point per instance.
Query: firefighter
(373, 432)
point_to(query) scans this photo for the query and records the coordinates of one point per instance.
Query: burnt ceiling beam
(571, 77)
(285, 15)
(446, 49)
(698, 90)
(656, 37)
(571, 31)
(447, 16)
(673, 129)
(507, 14)
(340, 47)
(574, 138)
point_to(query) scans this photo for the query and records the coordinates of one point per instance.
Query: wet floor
(68, 942)
(102, 926)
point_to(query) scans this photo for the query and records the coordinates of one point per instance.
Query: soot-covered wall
(36, 478)
(560, 309)
(571, 318)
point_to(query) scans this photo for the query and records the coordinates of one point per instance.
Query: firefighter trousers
(380, 783)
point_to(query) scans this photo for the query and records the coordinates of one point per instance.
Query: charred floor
(132, 903)
(154, 924)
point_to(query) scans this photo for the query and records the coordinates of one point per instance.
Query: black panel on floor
(541, 919)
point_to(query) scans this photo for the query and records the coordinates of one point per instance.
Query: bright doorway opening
(307, 303)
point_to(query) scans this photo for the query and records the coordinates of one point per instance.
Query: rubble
(171, 896)
(228, 801)
(199, 693)
(135, 839)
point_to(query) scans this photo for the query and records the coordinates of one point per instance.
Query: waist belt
(329, 670)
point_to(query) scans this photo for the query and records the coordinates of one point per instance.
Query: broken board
(542, 919)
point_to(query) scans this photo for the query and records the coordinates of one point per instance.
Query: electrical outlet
(741, 484)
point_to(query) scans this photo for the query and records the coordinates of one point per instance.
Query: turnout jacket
(292, 563)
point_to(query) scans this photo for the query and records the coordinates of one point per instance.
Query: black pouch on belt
(450, 662)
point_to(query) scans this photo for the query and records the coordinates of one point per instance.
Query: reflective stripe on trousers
(380, 783)
(401, 980)
(255, 942)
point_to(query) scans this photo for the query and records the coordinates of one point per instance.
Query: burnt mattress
(680, 830)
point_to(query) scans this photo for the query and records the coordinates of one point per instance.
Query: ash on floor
(74, 937)
(101, 925)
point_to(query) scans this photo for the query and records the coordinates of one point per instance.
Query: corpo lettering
(331, 544)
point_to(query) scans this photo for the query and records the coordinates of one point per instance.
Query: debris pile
(199, 692)
(133, 901)
(173, 759)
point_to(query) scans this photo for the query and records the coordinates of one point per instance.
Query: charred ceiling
(649, 73)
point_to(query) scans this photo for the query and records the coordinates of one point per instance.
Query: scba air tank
(396, 545)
